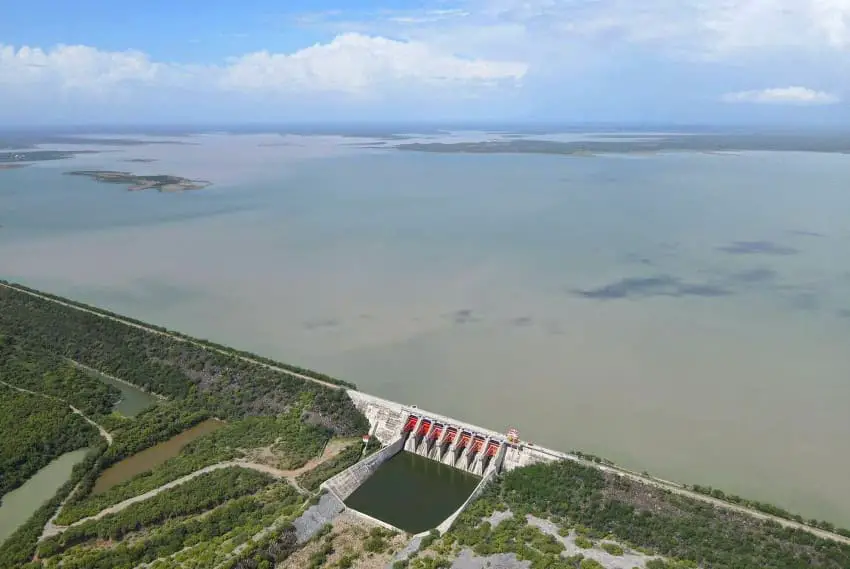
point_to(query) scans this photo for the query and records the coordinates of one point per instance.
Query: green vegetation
(236, 518)
(153, 425)
(612, 548)
(138, 182)
(86, 505)
(206, 343)
(44, 429)
(312, 479)
(303, 441)
(683, 530)
(44, 345)
(201, 541)
(19, 548)
(223, 384)
(273, 549)
(768, 509)
(33, 368)
(194, 496)
(376, 541)
(592, 458)
(320, 556)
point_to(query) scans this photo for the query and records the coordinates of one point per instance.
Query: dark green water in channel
(413, 493)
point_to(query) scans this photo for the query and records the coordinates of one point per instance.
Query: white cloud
(350, 64)
(75, 67)
(712, 29)
(783, 95)
(355, 63)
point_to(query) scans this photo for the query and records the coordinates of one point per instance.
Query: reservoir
(702, 291)
(413, 493)
(21, 503)
(153, 456)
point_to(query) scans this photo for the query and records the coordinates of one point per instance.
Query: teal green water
(21, 503)
(685, 314)
(413, 493)
(133, 400)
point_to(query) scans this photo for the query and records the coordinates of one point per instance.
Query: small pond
(153, 456)
(133, 400)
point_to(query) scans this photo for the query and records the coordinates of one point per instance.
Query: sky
(217, 62)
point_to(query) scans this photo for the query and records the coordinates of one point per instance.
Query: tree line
(194, 496)
(229, 386)
(33, 432)
(293, 368)
(682, 529)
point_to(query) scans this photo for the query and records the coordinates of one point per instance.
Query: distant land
(12, 166)
(134, 182)
(644, 143)
(30, 139)
(39, 155)
(141, 160)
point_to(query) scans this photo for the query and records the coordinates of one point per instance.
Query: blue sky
(685, 61)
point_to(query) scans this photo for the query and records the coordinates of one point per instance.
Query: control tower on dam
(447, 440)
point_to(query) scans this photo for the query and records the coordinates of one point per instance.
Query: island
(12, 166)
(137, 182)
(141, 160)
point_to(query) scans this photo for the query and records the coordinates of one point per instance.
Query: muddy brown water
(153, 456)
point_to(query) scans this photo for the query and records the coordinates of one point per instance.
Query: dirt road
(103, 432)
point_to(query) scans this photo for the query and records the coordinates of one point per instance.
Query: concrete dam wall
(456, 443)
(442, 439)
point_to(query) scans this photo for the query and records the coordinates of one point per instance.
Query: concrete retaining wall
(346, 482)
(448, 522)
(375, 521)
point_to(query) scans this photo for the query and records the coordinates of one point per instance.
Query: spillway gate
(461, 448)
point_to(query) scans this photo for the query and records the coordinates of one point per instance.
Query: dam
(414, 436)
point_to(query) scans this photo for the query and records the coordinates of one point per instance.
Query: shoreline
(118, 379)
(604, 465)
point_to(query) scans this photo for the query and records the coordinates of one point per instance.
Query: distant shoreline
(705, 144)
